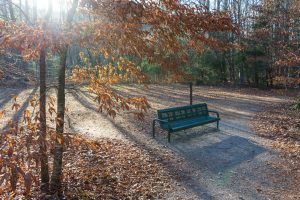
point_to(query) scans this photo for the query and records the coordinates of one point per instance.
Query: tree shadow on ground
(231, 107)
(17, 116)
(6, 95)
(203, 150)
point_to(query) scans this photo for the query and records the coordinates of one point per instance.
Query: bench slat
(183, 112)
(188, 123)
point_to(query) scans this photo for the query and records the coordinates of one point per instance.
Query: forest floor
(202, 163)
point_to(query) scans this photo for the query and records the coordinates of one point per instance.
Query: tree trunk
(26, 9)
(223, 68)
(20, 10)
(43, 117)
(11, 10)
(208, 5)
(4, 9)
(256, 77)
(34, 14)
(43, 127)
(55, 184)
(242, 74)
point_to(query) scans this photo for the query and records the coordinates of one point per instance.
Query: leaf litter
(281, 123)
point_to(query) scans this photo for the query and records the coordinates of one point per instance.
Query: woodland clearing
(201, 163)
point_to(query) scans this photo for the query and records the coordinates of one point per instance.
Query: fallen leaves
(2, 113)
(102, 169)
(281, 123)
(112, 169)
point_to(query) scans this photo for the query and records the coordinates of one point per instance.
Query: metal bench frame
(178, 114)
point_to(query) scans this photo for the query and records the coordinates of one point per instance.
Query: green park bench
(185, 117)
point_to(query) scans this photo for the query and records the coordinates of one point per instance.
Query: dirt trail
(232, 163)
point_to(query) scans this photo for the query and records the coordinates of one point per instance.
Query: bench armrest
(160, 120)
(212, 111)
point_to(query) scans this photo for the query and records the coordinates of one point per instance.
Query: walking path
(233, 163)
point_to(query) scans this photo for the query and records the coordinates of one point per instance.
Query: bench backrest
(184, 112)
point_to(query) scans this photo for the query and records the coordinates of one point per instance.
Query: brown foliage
(115, 170)
(19, 155)
(281, 123)
(154, 30)
(275, 33)
(93, 169)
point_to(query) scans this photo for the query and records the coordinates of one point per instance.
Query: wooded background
(265, 55)
(95, 44)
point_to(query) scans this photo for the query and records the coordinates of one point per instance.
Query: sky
(41, 4)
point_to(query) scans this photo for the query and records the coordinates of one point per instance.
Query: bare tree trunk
(4, 10)
(43, 127)
(20, 10)
(27, 8)
(34, 14)
(55, 184)
(207, 4)
(11, 10)
(43, 117)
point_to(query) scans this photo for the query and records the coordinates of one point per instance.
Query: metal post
(153, 128)
(191, 93)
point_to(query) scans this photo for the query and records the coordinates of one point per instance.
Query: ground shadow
(7, 93)
(17, 116)
(229, 107)
(184, 176)
(207, 151)
(216, 151)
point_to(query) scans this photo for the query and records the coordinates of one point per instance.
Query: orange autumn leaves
(24, 38)
(19, 152)
(122, 33)
(99, 79)
(154, 30)
(157, 30)
(163, 32)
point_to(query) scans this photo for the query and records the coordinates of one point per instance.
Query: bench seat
(188, 123)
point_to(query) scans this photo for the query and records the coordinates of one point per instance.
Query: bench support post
(169, 136)
(218, 125)
(191, 93)
(153, 128)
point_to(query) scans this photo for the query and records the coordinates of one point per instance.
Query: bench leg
(169, 136)
(218, 125)
(153, 129)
